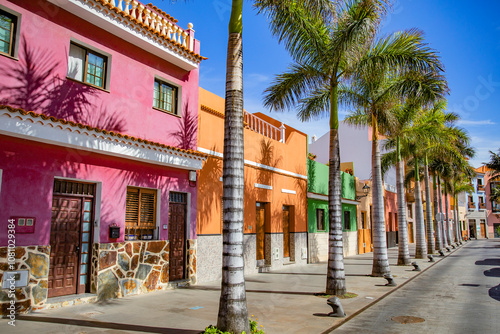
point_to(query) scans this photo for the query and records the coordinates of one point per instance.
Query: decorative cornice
(95, 139)
(212, 111)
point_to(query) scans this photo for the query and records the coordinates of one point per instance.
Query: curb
(350, 317)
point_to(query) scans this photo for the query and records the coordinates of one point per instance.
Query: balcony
(482, 206)
(471, 205)
(264, 128)
(480, 187)
(410, 195)
(145, 26)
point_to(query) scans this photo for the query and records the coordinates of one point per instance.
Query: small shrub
(254, 329)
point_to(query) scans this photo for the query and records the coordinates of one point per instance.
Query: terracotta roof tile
(103, 131)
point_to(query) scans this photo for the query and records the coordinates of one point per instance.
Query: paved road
(460, 294)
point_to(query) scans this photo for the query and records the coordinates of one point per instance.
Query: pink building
(98, 160)
(492, 208)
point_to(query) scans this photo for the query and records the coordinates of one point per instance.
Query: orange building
(275, 203)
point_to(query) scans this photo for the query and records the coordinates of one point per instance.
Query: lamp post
(366, 189)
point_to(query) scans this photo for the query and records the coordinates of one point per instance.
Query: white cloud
(473, 123)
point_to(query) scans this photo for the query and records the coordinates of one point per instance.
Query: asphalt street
(460, 294)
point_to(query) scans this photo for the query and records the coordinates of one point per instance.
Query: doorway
(70, 238)
(286, 231)
(177, 235)
(260, 223)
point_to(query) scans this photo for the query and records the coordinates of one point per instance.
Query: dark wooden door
(286, 231)
(64, 245)
(259, 229)
(177, 240)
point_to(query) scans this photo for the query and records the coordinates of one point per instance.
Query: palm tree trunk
(335, 278)
(233, 313)
(421, 247)
(455, 214)
(447, 213)
(403, 251)
(428, 211)
(380, 258)
(442, 225)
(459, 224)
(437, 228)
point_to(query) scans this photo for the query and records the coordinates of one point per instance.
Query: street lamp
(366, 189)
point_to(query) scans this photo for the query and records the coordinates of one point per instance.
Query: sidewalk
(283, 301)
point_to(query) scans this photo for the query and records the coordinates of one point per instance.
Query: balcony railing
(265, 128)
(480, 187)
(145, 26)
(482, 206)
(471, 205)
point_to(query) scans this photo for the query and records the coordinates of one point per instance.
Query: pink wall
(29, 169)
(493, 218)
(127, 107)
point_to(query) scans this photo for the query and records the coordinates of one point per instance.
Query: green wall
(314, 204)
(317, 180)
(351, 208)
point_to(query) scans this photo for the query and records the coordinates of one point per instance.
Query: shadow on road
(494, 292)
(488, 262)
(495, 272)
(110, 325)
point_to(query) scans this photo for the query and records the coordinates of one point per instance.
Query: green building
(317, 212)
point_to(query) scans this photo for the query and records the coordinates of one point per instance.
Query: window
(140, 215)
(8, 25)
(165, 97)
(363, 220)
(347, 220)
(320, 219)
(87, 66)
(410, 211)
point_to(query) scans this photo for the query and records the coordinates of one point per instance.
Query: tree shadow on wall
(33, 84)
(186, 132)
(267, 158)
(209, 189)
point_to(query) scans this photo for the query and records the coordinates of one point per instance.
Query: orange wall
(391, 209)
(289, 156)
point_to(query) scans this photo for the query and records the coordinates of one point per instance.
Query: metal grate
(66, 187)
(178, 197)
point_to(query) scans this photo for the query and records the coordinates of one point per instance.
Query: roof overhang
(50, 131)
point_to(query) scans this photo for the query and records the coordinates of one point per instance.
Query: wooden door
(410, 232)
(177, 240)
(483, 230)
(65, 234)
(286, 231)
(259, 230)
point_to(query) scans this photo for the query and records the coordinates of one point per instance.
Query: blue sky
(465, 33)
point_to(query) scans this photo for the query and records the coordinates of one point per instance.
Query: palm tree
(233, 312)
(409, 63)
(494, 164)
(322, 46)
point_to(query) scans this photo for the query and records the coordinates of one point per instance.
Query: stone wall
(209, 258)
(118, 270)
(135, 267)
(34, 295)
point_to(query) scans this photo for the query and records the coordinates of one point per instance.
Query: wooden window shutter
(132, 210)
(147, 208)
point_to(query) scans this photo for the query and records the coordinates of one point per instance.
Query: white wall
(355, 146)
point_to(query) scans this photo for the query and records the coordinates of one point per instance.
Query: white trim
(287, 191)
(317, 196)
(263, 186)
(325, 198)
(349, 201)
(255, 164)
(91, 11)
(56, 133)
